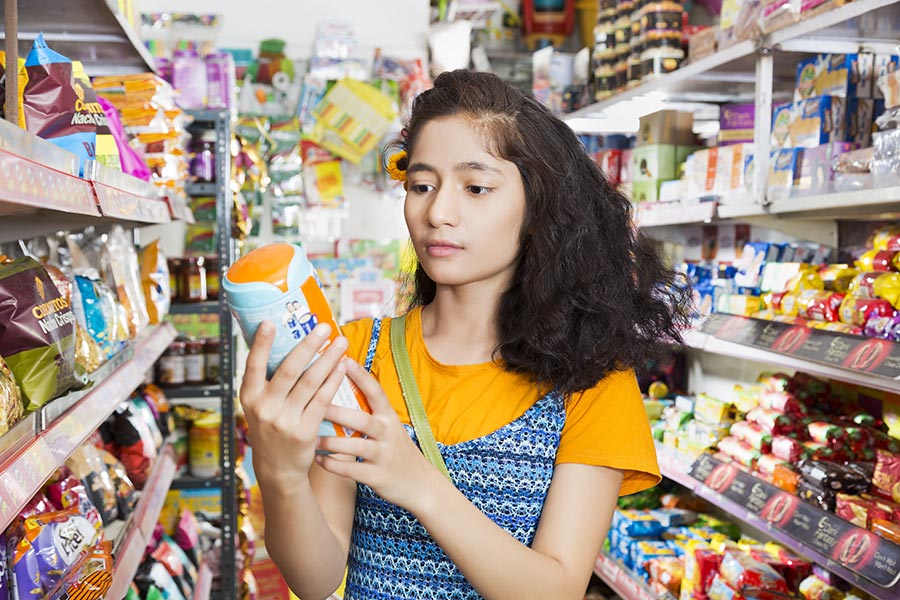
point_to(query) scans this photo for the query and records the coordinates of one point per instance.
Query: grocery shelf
(194, 391)
(35, 461)
(195, 308)
(869, 362)
(730, 73)
(179, 209)
(623, 582)
(206, 115)
(196, 483)
(204, 583)
(121, 196)
(659, 214)
(758, 497)
(135, 536)
(92, 31)
(202, 190)
(873, 204)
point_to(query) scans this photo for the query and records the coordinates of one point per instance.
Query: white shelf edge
(837, 200)
(827, 19)
(29, 469)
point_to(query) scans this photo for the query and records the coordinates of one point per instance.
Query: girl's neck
(459, 327)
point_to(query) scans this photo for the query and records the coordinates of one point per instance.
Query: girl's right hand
(284, 413)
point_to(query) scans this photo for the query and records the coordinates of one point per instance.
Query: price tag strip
(120, 204)
(858, 550)
(33, 185)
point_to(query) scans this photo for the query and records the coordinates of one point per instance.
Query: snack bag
(813, 588)
(858, 311)
(886, 480)
(90, 579)
(86, 464)
(107, 152)
(278, 283)
(120, 268)
(753, 435)
(155, 282)
(37, 332)
(11, 410)
(129, 160)
(55, 105)
(23, 81)
(739, 570)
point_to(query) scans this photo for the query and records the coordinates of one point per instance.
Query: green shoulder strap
(412, 397)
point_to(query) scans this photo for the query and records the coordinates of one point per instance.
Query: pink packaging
(132, 163)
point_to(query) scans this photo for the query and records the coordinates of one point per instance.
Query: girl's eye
(420, 188)
(479, 190)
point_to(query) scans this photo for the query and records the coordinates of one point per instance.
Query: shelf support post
(762, 123)
(11, 43)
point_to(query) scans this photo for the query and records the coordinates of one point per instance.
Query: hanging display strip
(877, 357)
(854, 549)
(128, 559)
(626, 585)
(81, 414)
(204, 583)
(120, 204)
(26, 183)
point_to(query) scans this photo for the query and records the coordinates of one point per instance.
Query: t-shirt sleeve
(607, 426)
(358, 334)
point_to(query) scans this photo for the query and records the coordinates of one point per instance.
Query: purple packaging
(816, 172)
(220, 79)
(884, 327)
(736, 123)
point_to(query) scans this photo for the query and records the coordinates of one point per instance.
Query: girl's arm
(309, 512)
(573, 525)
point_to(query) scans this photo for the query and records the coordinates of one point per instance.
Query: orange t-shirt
(605, 426)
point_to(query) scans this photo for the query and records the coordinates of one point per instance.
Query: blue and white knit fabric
(506, 474)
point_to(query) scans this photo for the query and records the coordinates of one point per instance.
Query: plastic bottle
(220, 79)
(189, 78)
(277, 283)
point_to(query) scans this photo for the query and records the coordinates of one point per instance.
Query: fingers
(255, 372)
(315, 376)
(314, 407)
(369, 386)
(356, 420)
(363, 448)
(297, 360)
(350, 469)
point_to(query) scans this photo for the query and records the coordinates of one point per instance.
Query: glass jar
(212, 277)
(203, 165)
(193, 279)
(172, 365)
(212, 359)
(204, 446)
(189, 78)
(175, 266)
(194, 363)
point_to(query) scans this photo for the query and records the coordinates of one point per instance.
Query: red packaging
(858, 311)
(783, 402)
(825, 433)
(889, 506)
(753, 435)
(772, 421)
(886, 480)
(739, 570)
(775, 382)
(610, 162)
(708, 562)
(767, 464)
(824, 307)
(793, 568)
(858, 511)
(774, 299)
(817, 451)
(882, 441)
(720, 590)
(787, 448)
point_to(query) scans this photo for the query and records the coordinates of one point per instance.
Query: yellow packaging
(736, 304)
(204, 449)
(713, 411)
(23, 81)
(746, 398)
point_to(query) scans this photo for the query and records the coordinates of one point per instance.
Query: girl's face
(464, 207)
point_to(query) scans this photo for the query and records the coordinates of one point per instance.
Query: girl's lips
(442, 250)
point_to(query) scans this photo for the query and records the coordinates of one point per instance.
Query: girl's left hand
(392, 465)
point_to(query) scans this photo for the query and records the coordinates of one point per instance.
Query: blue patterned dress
(506, 474)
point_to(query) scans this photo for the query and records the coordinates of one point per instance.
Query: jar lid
(195, 345)
(212, 420)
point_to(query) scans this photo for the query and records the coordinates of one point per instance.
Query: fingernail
(341, 342)
(322, 330)
(266, 328)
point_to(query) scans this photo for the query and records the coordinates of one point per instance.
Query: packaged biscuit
(784, 477)
(813, 588)
(787, 448)
(11, 409)
(667, 571)
(155, 282)
(741, 571)
(879, 260)
(739, 451)
(753, 435)
(37, 332)
(825, 433)
(837, 278)
(886, 479)
(834, 476)
(772, 421)
(635, 523)
(886, 529)
(277, 283)
(701, 564)
(720, 590)
(858, 311)
(875, 284)
(783, 402)
(858, 511)
(767, 463)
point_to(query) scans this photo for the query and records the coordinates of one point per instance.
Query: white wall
(399, 27)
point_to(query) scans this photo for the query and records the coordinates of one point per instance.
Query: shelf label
(856, 549)
(120, 204)
(649, 214)
(154, 495)
(871, 355)
(32, 184)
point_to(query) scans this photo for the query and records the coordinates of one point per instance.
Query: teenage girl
(534, 300)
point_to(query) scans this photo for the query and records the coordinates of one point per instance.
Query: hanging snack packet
(121, 270)
(55, 106)
(106, 152)
(37, 332)
(90, 579)
(10, 399)
(23, 80)
(155, 282)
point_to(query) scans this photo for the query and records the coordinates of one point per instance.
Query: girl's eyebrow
(463, 166)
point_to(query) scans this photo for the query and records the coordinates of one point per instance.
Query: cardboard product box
(842, 75)
(860, 117)
(645, 191)
(784, 168)
(889, 84)
(816, 173)
(819, 120)
(776, 275)
(625, 170)
(700, 172)
(730, 169)
(673, 191)
(666, 127)
(754, 257)
(702, 43)
(739, 304)
(610, 163)
(657, 161)
(736, 123)
(884, 64)
(782, 117)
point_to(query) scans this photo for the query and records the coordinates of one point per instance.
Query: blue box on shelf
(818, 120)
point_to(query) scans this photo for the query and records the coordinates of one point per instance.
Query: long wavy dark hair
(589, 295)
